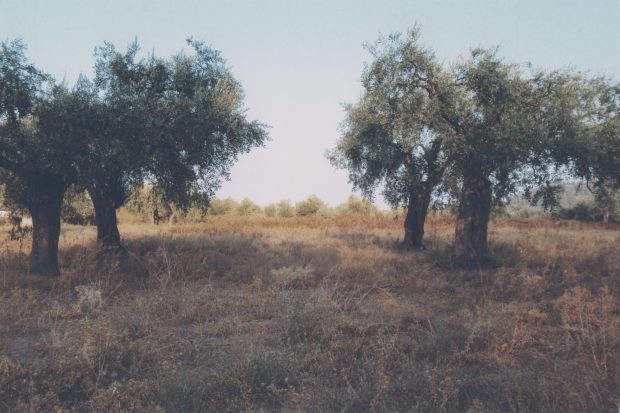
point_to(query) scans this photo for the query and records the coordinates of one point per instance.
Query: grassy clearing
(314, 314)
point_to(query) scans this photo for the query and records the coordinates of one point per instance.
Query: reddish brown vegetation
(315, 314)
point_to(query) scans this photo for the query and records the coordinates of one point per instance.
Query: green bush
(193, 215)
(285, 209)
(309, 206)
(524, 211)
(246, 208)
(271, 210)
(358, 206)
(145, 200)
(582, 211)
(222, 206)
(77, 208)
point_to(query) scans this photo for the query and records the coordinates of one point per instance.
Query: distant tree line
(178, 123)
(145, 201)
(577, 204)
(473, 133)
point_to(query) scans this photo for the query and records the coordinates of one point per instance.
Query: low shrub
(309, 206)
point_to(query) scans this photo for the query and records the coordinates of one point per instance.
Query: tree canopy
(482, 129)
(35, 147)
(393, 136)
(177, 123)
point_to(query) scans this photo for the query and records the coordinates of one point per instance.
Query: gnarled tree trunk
(105, 218)
(416, 216)
(44, 205)
(420, 195)
(471, 246)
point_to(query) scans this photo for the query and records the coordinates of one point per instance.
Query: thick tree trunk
(105, 219)
(471, 246)
(416, 216)
(45, 205)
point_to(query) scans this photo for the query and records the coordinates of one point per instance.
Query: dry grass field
(314, 314)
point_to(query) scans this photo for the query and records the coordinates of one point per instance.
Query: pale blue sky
(299, 60)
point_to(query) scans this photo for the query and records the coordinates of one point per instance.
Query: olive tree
(393, 136)
(36, 149)
(597, 153)
(503, 127)
(177, 123)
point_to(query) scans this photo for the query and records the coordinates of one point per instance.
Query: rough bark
(105, 218)
(44, 206)
(417, 209)
(471, 245)
(420, 195)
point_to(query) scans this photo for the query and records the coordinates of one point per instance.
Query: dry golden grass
(314, 314)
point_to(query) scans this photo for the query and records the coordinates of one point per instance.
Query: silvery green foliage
(177, 122)
(392, 136)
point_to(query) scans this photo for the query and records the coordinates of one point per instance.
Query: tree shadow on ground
(165, 259)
